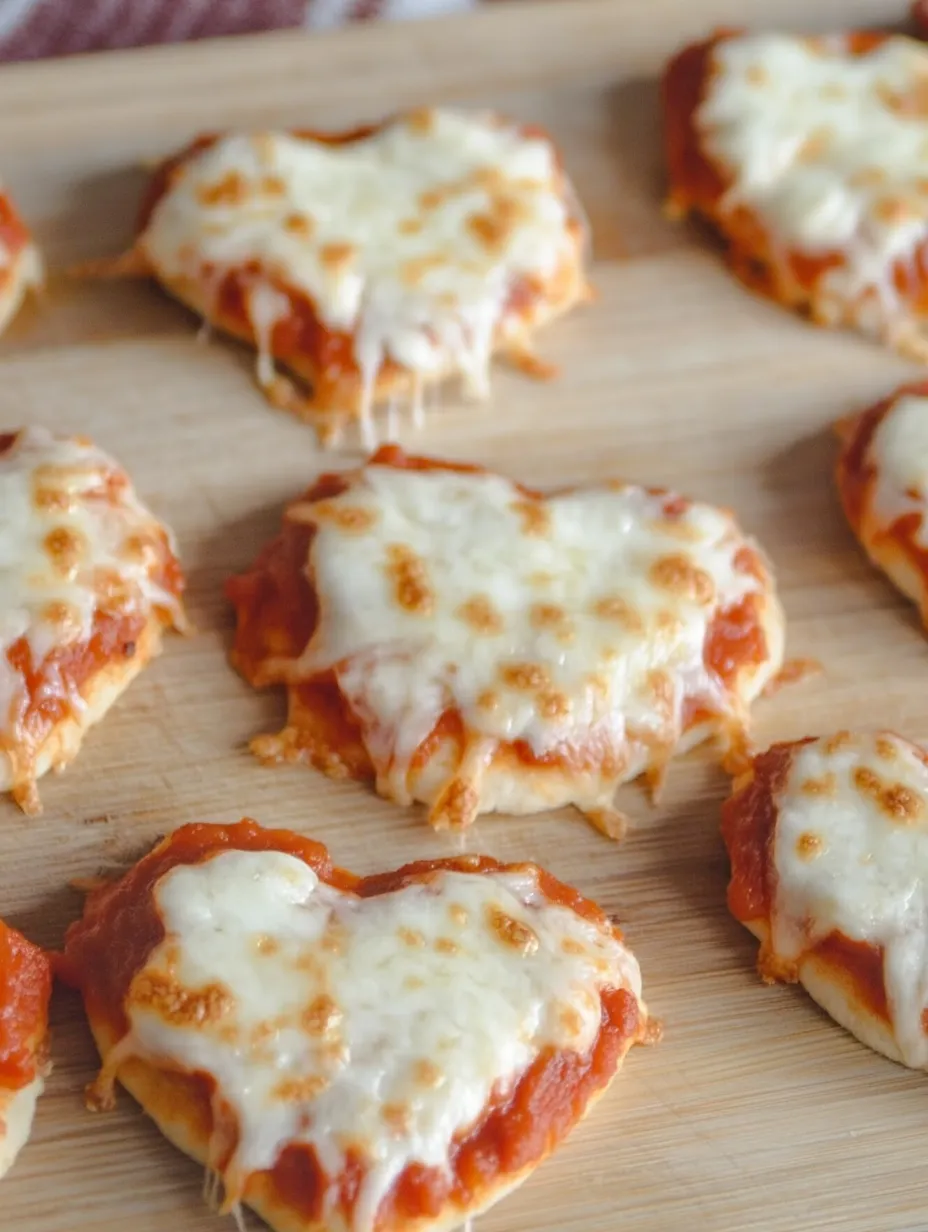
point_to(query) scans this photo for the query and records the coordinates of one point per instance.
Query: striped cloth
(34, 29)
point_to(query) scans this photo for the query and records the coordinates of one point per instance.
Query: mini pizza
(25, 988)
(88, 583)
(472, 644)
(352, 1054)
(20, 263)
(370, 263)
(810, 157)
(882, 478)
(828, 840)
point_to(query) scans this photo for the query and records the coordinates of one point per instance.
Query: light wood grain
(755, 1111)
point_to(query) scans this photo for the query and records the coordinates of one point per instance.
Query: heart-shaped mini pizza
(25, 988)
(810, 157)
(375, 262)
(88, 583)
(478, 646)
(345, 1054)
(883, 481)
(828, 840)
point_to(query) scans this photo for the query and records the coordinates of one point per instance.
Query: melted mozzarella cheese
(379, 1026)
(575, 624)
(829, 149)
(410, 240)
(17, 1110)
(74, 540)
(851, 854)
(898, 452)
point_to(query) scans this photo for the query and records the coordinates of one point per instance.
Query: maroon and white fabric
(34, 29)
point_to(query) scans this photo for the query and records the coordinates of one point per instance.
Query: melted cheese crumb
(383, 1048)
(830, 150)
(74, 541)
(410, 241)
(856, 860)
(584, 641)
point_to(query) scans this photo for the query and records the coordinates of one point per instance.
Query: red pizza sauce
(121, 926)
(25, 988)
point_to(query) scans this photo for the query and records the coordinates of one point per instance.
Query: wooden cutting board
(755, 1111)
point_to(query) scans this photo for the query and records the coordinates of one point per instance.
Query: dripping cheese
(88, 581)
(882, 478)
(810, 156)
(480, 647)
(372, 263)
(370, 1045)
(25, 988)
(828, 840)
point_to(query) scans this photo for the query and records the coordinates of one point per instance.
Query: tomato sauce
(14, 236)
(863, 964)
(121, 926)
(25, 988)
(749, 818)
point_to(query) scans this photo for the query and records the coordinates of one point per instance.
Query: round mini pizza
(380, 1053)
(882, 478)
(88, 582)
(809, 155)
(20, 263)
(371, 263)
(475, 645)
(25, 988)
(828, 841)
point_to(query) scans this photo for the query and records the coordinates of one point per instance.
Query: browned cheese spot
(410, 580)
(816, 145)
(481, 615)
(488, 700)
(414, 271)
(662, 693)
(321, 1016)
(231, 189)
(834, 90)
(421, 121)
(525, 677)
(868, 177)
(669, 624)
(273, 185)
(885, 748)
(266, 945)
(617, 609)
(177, 1005)
(353, 519)
(894, 210)
(492, 228)
(912, 102)
(511, 932)
(827, 785)
(300, 224)
(840, 740)
(398, 1117)
(300, 1090)
(553, 705)
(50, 488)
(336, 257)
(534, 515)
(458, 913)
(410, 226)
(427, 1074)
(571, 946)
(489, 178)
(571, 1020)
(677, 574)
(65, 547)
(553, 617)
(333, 938)
(411, 937)
(413, 982)
(444, 945)
(897, 801)
(809, 845)
(65, 615)
(756, 75)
